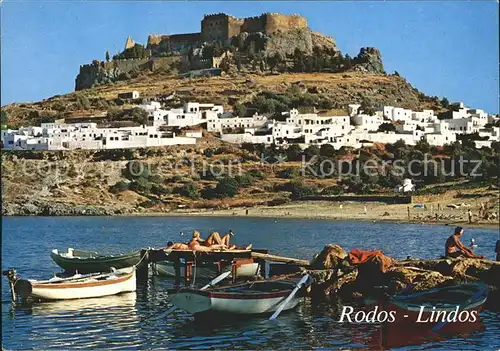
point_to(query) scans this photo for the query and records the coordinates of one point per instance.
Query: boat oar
(212, 283)
(289, 297)
(217, 279)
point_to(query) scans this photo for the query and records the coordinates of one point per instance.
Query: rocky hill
(338, 89)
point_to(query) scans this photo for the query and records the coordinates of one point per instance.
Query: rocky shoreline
(39, 208)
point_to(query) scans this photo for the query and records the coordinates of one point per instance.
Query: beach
(358, 211)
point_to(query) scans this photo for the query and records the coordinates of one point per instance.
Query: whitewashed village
(355, 130)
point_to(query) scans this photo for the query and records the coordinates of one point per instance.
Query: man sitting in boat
(454, 247)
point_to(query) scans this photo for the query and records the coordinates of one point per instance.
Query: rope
(143, 256)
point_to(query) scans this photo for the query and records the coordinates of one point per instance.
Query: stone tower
(129, 43)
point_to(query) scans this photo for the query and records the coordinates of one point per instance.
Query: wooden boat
(209, 270)
(76, 287)
(249, 298)
(93, 262)
(442, 305)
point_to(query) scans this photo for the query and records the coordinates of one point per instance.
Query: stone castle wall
(155, 39)
(277, 22)
(222, 27)
(254, 24)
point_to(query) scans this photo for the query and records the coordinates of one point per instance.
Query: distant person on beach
(454, 247)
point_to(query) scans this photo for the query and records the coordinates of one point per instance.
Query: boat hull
(454, 304)
(209, 271)
(68, 290)
(95, 264)
(199, 302)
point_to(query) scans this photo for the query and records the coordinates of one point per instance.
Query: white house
(60, 136)
(366, 122)
(407, 186)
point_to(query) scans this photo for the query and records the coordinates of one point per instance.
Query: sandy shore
(367, 211)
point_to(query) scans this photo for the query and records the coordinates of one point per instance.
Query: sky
(448, 49)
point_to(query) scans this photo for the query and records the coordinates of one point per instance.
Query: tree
(423, 146)
(208, 52)
(312, 151)
(107, 56)
(445, 102)
(347, 62)
(244, 180)
(289, 173)
(138, 115)
(298, 61)
(238, 63)
(251, 50)
(4, 119)
(226, 187)
(367, 106)
(386, 127)
(327, 150)
(240, 110)
(217, 50)
(189, 190)
(293, 152)
(82, 101)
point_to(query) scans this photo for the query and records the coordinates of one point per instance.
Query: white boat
(208, 270)
(77, 286)
(250, 298)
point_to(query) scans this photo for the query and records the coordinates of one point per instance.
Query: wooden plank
(275, 258)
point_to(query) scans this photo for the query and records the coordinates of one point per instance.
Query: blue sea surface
(128, 321)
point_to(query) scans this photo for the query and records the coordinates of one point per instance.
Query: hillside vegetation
(323, 90)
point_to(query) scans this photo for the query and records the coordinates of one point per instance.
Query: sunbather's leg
(214, 238)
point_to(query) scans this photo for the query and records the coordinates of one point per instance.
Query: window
(11, 142)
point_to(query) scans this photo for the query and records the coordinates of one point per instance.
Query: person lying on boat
(454, 247)
(215, 240)
(191, 246)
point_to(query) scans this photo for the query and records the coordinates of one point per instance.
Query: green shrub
(137, 169)
(189, 190)
(294, 153)
(332, 191)
(297, 188)
(327, 150)
(300, 190)
(141, 185)
(226, 187)
(255, 173)
(289, 173)
(244, 180)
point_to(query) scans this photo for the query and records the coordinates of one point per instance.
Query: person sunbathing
(215, 239)
(177, 246)
(454, 247)
(193, 245)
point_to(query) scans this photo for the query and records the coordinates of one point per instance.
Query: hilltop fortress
(222, 27)
(269, 42)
